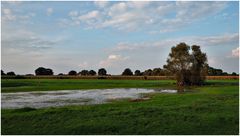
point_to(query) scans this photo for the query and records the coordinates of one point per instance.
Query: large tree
(189, 69)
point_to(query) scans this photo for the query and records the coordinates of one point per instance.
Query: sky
(115, 35)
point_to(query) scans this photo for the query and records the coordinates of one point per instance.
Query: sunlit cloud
(235, 52)
(113, 60)
(132, 15)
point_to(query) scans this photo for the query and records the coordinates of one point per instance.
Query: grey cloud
(25, 40)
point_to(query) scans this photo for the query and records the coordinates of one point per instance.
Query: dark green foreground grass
(212, 109)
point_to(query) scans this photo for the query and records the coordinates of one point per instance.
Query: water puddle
(41, 99)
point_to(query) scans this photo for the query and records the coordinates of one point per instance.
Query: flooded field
(43, 99)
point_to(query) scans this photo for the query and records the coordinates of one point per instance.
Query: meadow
(18, 85)
(209, 109)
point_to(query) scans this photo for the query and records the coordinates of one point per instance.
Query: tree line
(126, 72)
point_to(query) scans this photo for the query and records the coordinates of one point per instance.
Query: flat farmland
(209, 109)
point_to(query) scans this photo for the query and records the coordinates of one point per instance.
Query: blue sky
(68, 36)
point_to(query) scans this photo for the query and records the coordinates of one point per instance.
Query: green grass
(18, 85)
(212, 109)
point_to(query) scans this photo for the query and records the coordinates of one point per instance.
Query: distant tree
(127, 72)
(29, 75)
(218, 72)
(188, 68)
(157, 72)
(215, 72)
(11, 73)
(92, 73)
(84, 73)
(60, 74)
(147, 72)
(72, 73)
(40, 71)
(137, 73)
(166, 73)
(234, 74)
(210, 71)
(225, 74)
(102, 72)
(43, 71)
(2, 73)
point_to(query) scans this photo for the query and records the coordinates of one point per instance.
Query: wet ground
(41, 99)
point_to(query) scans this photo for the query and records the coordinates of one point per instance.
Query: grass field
(16, 85)
(210, 109)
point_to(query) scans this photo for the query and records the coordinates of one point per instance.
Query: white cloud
(73, 13)
(133, 15)
(89, 15)
(124, 46)
(193, 10)
(164, 30)
(49, 11)
(126, 21)
(112, 57)
(7, 11)
(112, 60)
(101, 4)
(117, 8)
(138, 4)
(7, 15)
(235, 52)
(90, 19)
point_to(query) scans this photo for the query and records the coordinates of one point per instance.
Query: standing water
(42, 99)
